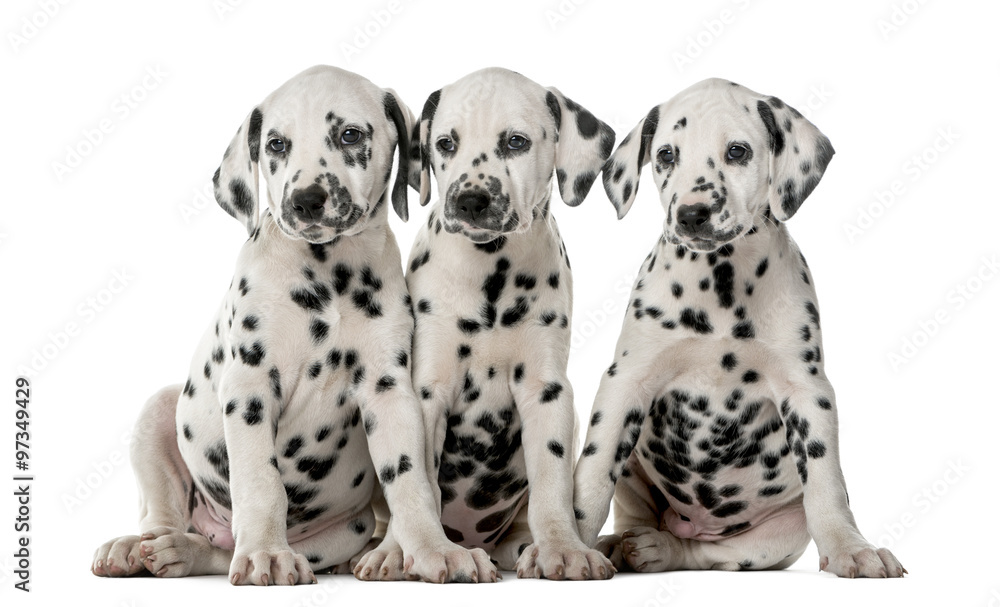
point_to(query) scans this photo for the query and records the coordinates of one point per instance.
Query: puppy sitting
(259, 466)
(715, 417)
(491, 285)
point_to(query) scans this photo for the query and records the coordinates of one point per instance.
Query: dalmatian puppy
(299, 398)
(715, 426)
(490, 280)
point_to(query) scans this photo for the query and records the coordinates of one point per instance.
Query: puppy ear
(622, 170)
(235, 180)
(400, 116)
(583, 143)
(426, 118)
(799, 156)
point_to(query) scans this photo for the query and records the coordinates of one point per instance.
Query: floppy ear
(583, 143)
(235, 180)
(423, 184)
(799, 156)
(400, 115)
(622, 170)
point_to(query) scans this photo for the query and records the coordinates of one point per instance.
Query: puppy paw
(572, 562)
(266, 566)
(451, 563)
(383, 562)
(118, 558)
(611, 547)
(862, 560)
(644, 549)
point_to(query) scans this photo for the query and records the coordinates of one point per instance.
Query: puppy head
(493, 139)
(324, 143)
(723, 157)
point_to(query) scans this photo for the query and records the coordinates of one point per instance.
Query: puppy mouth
(704, 243)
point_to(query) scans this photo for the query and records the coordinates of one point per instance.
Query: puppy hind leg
(166, 492)
(773, 544)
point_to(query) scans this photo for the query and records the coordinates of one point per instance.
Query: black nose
(470, 206)
(308, 203)
(694, 217)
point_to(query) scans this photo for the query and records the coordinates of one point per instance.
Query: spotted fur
(715, 426)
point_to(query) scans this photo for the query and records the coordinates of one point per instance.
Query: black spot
(254, 413)
(776, 139)
(275, 376)
(723, 274)
(556, 448)
(464, 351)
(596, 418)
(524, 281)
(734, 529)
(218, 457)
(424, 306)
(384, 383)
(696, 321)
(358, 479)
(729, 509)
(677, 290)
(590, 449)
(253, 355)
(744, 330)
(250, 323)
(770, 490)
(315, 298)
(319, 330)
(816, 449)
(316, 469)
(358, 526)
(824, 403)
(551, 392)
(729, 361)
(750, 376)
(554, 280)
(341, 278)
(518, 373)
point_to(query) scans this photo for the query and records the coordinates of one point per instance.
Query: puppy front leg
(810, 416)
(395, 430)
(251, 403)
(545, 404)
(619, 411)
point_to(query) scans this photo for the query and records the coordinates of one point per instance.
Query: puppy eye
(666, 155)
(350, 136)
(446, 145)
(736, 152)
(516, 142)
(276, 145)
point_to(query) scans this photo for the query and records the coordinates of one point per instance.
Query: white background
(136, 204)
